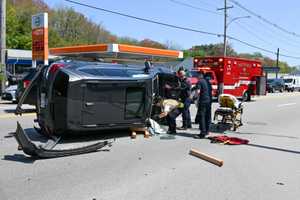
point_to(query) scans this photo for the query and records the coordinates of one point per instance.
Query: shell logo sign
(39, 24)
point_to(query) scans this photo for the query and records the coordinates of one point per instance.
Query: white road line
(286, 104)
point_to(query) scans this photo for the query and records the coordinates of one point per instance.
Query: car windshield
(270, 80)
(288, 80)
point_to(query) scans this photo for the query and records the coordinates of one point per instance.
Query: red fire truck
(236, 76)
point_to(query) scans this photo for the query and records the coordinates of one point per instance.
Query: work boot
(182, 128)
(171, 132)
(199, 136)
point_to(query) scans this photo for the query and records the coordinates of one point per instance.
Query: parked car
(274, 85)
(9, 94)
(31, 98)
(292, 83)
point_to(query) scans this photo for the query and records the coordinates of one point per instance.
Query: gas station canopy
(116, 52)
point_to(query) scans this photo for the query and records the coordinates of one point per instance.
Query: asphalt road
(156, 168)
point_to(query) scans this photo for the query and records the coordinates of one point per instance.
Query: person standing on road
(204, 106)
(185, 97)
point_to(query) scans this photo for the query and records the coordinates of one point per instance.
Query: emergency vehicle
(240, 77)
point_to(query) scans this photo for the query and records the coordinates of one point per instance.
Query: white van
(292, 83)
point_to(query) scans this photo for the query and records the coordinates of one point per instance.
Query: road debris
(144, 130)
(156, 127)
(206, 157)
(223, 139)
(31, 149)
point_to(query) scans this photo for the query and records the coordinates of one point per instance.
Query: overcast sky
(205, 17)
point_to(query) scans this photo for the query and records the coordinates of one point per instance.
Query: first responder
(183, 106)
(204, 106)
(185, 98)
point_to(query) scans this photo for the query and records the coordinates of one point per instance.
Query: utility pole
(225, 29)
(3, 42)
(225, 26)
(277, 62)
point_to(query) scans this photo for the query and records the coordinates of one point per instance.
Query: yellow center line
(12, 115)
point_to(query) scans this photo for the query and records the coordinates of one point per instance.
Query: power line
(213, 5)
(179, 27)
(282, 38)
(194, 7)
(146, 20)
(247, 30)
(260, 38)
(264, 19)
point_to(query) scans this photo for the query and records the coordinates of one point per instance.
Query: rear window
(135, 103)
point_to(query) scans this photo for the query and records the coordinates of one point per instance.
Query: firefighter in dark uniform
(185, 97)
(185, 100)
(204, 106)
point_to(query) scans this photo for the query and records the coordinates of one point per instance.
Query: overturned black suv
(79, 96)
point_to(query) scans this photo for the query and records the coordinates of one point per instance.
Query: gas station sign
(39, 24)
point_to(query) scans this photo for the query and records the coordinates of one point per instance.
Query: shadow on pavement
(9, 135)
(34, 136)
(19, 158)
(184, 134)
(274, 148)
(93, 136)
(219, 128)
(24, 110)
(79, 137)
(267, 134)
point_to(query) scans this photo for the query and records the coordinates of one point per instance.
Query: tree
(172, 45)
(152, 43)
(211, 50)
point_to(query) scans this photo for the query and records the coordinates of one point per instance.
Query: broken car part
(31, 149)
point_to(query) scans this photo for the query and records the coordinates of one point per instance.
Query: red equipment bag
(228, 140)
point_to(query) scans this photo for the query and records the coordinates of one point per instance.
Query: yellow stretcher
(229, 112)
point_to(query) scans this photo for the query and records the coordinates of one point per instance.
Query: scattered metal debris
(31, 149)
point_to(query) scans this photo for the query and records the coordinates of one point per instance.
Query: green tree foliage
(66, 27)
(209, 50)
(19, 21)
